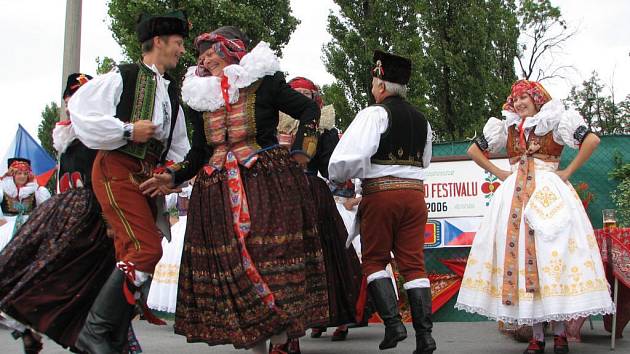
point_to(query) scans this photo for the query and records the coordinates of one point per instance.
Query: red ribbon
(226, 96)
(130, 275)
(521, 136)
(64, 122)
(164, 167)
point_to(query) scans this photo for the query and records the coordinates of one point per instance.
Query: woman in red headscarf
(343, 270)
(19, 195)
(252, 266)
(535, 258)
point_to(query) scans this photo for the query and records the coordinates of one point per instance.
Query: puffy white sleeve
(428, 148)
(571, 130)
(63, 135)
(93, 109)
(494, 136)
(351, 157)
(41, 195)
(179, 142)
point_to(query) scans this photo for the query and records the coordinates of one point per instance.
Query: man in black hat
(388, 146)
(133, 117)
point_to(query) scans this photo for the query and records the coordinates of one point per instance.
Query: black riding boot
(107, 320)
(384, 297)
(420, 305)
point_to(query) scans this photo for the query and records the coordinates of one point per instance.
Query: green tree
(462, 53)
(268, 20)
(50, 116)
(104, 65)
(470, 48)
(599, 110)
(335, 95)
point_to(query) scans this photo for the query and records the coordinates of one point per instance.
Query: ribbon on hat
(378, 70)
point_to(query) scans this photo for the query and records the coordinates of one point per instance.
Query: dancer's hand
(350, 203)
(143, 130)
(159, 184)
(503, 174)
(2, 221)
(564, 175)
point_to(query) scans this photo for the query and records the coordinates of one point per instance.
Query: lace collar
(10, 189)
(205, 94)
(545, 120)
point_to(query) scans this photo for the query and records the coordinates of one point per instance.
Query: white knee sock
(279, 338)
(539, 332)
(559, 329)
(417, 283)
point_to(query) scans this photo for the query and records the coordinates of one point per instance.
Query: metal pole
(614, 319)
(71, 45)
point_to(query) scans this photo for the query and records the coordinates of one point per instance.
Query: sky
(33, 50)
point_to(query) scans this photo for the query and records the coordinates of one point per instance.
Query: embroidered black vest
(9, 205)
(137, 102)
(405, 138)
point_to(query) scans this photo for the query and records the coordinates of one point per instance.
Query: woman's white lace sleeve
(494, 136)
(571, 130)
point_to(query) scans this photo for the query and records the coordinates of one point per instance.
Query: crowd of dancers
(269, 202)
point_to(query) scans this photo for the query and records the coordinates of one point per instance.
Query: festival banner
(458, 194)
(460, 188)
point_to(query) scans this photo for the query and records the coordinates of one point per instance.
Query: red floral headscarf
(230, 50)
(20, 166)
(534, 89)
(304, 83)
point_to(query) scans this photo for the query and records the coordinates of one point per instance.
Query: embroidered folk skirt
(343, 269)
(217, 302)
(55, 266)
(571, 279)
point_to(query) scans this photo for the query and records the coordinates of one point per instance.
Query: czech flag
(23, 145)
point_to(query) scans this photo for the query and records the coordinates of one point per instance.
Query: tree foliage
(470, 48)
(50, 116)
(544, 32)
(104, 65)
(602, 114)
(335, 95)
(462, 53)
(268, 20)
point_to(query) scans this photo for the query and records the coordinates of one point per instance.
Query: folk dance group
(259, 255)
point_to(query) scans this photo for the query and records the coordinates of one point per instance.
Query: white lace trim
(204, 93)
(546, 120)
(10, 189)
(530, 321)
(162, 308)
(327, 118)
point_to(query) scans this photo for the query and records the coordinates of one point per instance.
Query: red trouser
(393, 221)
(129, 213)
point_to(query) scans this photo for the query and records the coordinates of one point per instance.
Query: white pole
(71, 45)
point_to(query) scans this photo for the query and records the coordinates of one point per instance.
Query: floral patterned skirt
(54, 267)
(217, 301)
(571, 279)
(343, 269)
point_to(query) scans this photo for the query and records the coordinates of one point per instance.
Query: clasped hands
(159, 184)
